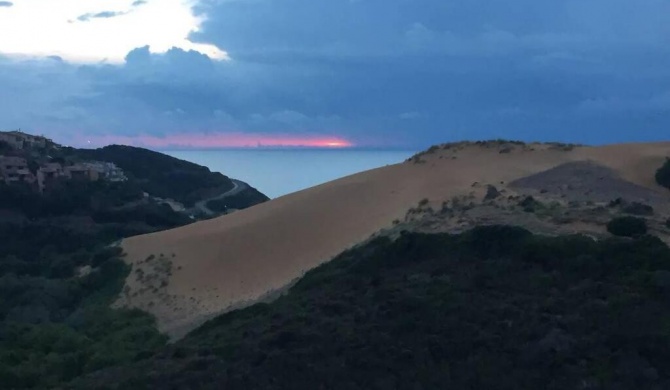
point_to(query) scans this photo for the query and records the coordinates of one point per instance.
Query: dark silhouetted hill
(162, 175)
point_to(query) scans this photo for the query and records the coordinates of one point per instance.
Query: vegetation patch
(61, 267)
(637, 208)
(530, 205)
(239, 201)
(491, 193)
(54, 328)
(634, 208)
(627, 226)
(564, 147)
(55, 320)
(157, 173)
(663, 175)
(493, 308)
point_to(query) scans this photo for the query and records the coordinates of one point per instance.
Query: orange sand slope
(206, 268)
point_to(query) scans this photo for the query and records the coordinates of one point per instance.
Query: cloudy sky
(388, 73)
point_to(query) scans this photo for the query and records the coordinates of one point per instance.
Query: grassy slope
(494, 308)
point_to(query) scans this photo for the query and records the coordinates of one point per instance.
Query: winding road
(238, 186)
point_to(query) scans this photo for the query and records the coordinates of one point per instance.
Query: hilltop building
(24, 147)
(81, 172)
(20, 140)
(106, 170)
(15, 170)
(48, 174)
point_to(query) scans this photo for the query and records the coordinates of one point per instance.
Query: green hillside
(60, 270)
(493, 308)
(162, 175)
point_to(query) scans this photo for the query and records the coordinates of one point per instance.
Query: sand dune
(209, 267)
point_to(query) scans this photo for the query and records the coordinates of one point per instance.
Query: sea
(277, 172)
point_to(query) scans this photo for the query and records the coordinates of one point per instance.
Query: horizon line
(276, 148)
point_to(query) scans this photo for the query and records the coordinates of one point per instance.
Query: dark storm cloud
(523, 68)
(399, 71)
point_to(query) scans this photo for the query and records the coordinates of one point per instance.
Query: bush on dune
(663, 175)
(627, 226)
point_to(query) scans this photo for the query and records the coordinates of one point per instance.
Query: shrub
(491, 192)
(667, 223)
(530, 204)
(663, 174)
(637, 208)
(627, 226)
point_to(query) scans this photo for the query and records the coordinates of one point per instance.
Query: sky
(334, 73)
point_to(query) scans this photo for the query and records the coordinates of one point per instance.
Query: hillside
(488, 265)
(166, 177)
(39, 163)
(123, 189)
(492, 308)
(60, 266)
(232, 261)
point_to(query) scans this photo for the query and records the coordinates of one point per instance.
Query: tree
(663, 174)
(33, 166)
(627, 226)
(5, 147)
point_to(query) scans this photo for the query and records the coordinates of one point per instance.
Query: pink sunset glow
(215, 140)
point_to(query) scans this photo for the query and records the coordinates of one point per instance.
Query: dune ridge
(187, 275)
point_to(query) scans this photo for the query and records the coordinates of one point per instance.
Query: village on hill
(38, 165)
(27, 159)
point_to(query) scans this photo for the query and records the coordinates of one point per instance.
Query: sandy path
(228, 261)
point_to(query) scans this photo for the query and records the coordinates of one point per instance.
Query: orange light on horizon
(217, 140)
(337, 144)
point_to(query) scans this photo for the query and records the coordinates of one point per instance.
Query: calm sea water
(280, 172)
